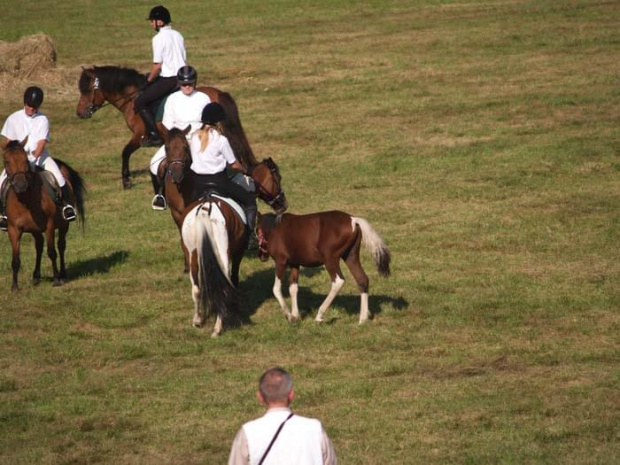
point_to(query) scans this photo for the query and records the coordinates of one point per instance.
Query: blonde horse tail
(217, 294)
(375, 245)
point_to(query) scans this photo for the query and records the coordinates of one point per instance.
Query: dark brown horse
(320, 239)
(178, 180)
(120, 87)
(31, 209)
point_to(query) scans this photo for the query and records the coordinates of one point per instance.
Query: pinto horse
(31, 209)
(320, 239)
(120, 87)
(178, 180)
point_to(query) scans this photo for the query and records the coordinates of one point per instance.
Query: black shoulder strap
(275, 436)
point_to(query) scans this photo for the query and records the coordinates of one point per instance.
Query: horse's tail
(375, 245)
(217, 294)
(79, 188)
(233, 130)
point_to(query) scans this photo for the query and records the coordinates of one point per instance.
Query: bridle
(177, 161)
(16, 174)
(277, 200)
(93, 107)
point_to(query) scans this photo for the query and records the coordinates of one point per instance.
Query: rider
(182, 109)
(168, 57)
(211, 154)
(28, 122)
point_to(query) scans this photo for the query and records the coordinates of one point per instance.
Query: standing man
(168, 56)
(183, 108)
(30, 123)
(281, 437)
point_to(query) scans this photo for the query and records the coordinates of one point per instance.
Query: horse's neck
(121, 99)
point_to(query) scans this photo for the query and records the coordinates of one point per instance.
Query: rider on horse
(29, 123)
(211, 154)
(182, 109)
(168, 57)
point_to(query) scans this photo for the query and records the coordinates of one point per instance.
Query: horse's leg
(15, 236)
(131, 147)
(337, 282)
(52, 254)
(293, 288)
(355, 266)
(62, 246)
(277, 291)
(198, 320)
(217, 329)
(38, 247)
(234, 270)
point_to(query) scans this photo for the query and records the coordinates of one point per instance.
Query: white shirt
(37, 127)
(182, 110)
(216, 155)
(169, 50)
(302, 441)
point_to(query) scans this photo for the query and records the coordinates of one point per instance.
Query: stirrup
(159, 202)
(68, 213)
(4, 223)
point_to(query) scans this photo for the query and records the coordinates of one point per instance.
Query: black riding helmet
(186, 75)
(33, 97)
(160, 12)
(213, 113)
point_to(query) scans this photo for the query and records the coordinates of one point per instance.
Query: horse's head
(16, 165)
(178, 156)
(91, 97)
(266, 176)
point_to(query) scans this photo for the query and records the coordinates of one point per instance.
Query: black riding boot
(68, 212)
(250, 215)
(151, 138)
(159, 201)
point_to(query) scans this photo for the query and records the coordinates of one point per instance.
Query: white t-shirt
(169, 50)
(19, 125)
(182, 110)
(216, 155)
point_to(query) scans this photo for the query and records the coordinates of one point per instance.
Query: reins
(93, 107)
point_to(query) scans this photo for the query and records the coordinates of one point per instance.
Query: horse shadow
(96, 265)
(256, 289)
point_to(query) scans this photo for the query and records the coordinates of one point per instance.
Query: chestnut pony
(178, 179)
(320, 239)
(31, 209)
(119, 87)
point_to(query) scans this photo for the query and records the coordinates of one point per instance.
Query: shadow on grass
(257, 288)
(96, 265)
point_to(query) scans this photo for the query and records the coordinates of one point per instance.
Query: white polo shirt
(19, 125)
(169, 50)
(182, 110)
(216, 155)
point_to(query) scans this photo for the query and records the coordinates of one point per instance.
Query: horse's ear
(163, 130)
(187, 130)
(24, 142)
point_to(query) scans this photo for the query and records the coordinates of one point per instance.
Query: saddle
(49, 184)
(212, 192)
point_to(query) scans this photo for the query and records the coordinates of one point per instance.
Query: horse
(31, 209)
(119, 87)
(320, 239)
(178, 180)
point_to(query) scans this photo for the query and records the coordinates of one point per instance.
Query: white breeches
(159, 156)
(47, 163)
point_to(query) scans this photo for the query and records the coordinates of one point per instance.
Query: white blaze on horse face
(336, 286)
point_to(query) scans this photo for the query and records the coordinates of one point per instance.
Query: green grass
(481, 141)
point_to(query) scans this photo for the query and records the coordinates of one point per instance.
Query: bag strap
(275, 436)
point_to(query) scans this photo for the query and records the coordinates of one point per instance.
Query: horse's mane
(13, 144)
(111, 79)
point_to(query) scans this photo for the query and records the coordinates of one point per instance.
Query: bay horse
(178, 179)
(31, 209)
(320, 239)
(120, 86)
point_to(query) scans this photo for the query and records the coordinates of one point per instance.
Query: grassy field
(480, 139)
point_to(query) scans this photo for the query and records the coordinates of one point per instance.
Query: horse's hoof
(126, 183)
(36, 281)
(293, 319)
(319, 320)
(14, 288)
(57, 283)
(196, 324)
(214, 335)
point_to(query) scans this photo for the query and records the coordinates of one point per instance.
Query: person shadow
(96, 265)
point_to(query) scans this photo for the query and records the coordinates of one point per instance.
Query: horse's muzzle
(19, 183)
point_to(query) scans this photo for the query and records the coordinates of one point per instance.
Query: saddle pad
(234, 205)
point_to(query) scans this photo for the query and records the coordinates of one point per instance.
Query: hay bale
(28, 55)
